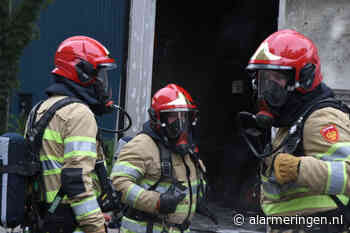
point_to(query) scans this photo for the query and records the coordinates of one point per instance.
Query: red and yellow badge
(330, 133)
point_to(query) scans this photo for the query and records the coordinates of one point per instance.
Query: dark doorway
(205, 47)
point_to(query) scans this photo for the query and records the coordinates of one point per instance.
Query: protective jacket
(69, 150)
(138, 168)
(330, 168)
(323, 169)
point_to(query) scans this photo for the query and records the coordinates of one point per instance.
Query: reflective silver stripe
(133, 193)
(194, 188)
(127, 170)
(85, 207)
(78, 231)
(51, 164)
(271, 188)
(275, 190)
(79, 146)
(340, 153)
(136, 227)
(336, 178)
(4, 146)
(159, 188)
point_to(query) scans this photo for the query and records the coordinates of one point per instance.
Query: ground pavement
(202, 224)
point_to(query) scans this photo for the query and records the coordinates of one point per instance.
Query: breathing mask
(272, 88)
(102, 86)
(177, 127)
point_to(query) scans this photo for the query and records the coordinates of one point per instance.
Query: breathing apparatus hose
(263, 155)
(116, 107)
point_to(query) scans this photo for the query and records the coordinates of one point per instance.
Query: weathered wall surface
(140, 60)
(327, 23)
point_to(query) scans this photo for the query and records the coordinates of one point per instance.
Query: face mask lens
(272, 87)
(176, 123)
(102, 79)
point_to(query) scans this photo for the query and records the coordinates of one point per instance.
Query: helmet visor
(176, 122)
(272, 86)
(103, 79)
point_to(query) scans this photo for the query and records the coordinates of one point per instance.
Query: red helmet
(172, 97)
(170, 102)
(79, 58)
(288, 50)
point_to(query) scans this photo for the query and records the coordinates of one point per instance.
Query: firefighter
(158, 171)
(70, 146)
(286, 73)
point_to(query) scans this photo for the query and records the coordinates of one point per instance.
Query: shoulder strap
(329, 102)
(165, 161)
(34, 135)
(36, 129)
(166, 166)
(36, 132)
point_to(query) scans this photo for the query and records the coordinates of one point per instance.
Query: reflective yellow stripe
(338, 151)
(302, 203)
(50, 196)
(52, 172)
(51, 157)
(288, 192)
(274, 192)
(52, 135)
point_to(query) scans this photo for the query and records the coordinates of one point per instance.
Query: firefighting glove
(286, 167)
(171, 198)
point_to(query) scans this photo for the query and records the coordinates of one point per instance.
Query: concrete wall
(140, 61)
(327, 23)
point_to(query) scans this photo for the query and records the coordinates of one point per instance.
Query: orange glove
(286, 167)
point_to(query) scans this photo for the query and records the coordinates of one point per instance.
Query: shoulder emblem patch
(330, 133)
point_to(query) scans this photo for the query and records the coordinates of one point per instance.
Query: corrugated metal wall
(104, 20)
